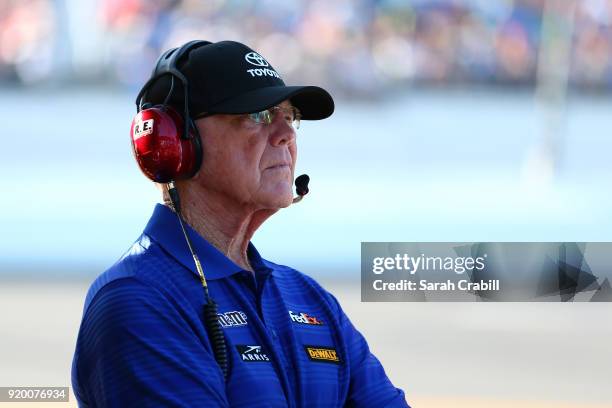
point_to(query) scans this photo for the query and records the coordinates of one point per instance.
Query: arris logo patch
(252, 354)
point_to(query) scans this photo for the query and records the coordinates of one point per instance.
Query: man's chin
(284, 202)
(276, 201)
(277, 195)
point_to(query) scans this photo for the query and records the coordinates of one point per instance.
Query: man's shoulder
(137, 265)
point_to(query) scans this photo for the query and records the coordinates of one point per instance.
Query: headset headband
(167, 64)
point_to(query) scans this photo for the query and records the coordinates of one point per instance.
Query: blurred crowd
(352, 46)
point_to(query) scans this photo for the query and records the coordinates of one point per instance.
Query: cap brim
(313, 102)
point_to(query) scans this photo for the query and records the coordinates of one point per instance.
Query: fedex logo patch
(304, 318)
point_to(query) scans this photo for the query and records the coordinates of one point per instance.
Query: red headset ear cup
(162, 154)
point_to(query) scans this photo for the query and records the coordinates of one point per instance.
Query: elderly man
(276, 338)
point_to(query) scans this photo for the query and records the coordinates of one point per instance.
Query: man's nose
(282, 132)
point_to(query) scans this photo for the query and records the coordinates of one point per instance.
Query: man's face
(250, 163)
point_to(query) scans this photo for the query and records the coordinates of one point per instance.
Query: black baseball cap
(229, 77)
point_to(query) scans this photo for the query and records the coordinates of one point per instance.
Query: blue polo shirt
(142, 340)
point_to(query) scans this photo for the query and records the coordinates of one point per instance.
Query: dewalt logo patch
(322, 354)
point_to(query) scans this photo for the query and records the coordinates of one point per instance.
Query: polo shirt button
(273, 332)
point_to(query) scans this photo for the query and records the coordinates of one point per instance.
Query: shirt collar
(164, 228)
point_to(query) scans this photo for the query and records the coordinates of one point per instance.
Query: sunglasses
(291, 115)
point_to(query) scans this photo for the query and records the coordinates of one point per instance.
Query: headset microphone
(301, 187)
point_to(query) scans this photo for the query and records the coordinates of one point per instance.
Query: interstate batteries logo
(304, 318)
(322, 354)
(252, 354)
(232, 319)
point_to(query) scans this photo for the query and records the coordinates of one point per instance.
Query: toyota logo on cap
(256, 59)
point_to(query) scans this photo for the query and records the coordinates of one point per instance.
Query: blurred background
(456, 120)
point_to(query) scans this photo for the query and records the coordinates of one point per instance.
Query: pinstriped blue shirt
(142, 340)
